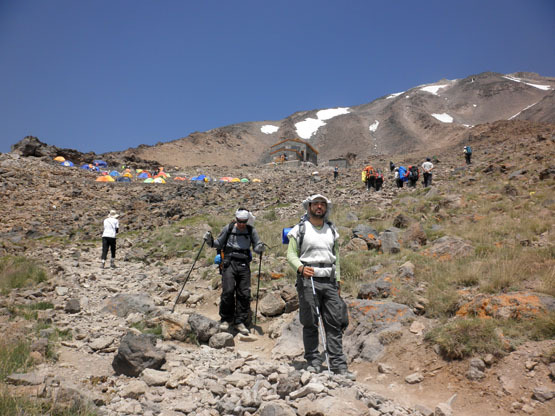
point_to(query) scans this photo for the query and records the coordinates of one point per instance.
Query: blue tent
(66, 163)
(99, 163)
(198, 178)
(123, 179)
(89, 167)
(114, 173)
(143, 175)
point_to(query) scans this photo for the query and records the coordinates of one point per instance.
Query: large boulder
(125, 303)
(372, 325)
(137, 352)
(203, 327)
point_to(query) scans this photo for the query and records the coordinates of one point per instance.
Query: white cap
(320, 197)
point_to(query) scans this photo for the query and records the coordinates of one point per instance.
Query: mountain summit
(424, 117)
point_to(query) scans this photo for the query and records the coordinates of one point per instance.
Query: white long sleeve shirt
(111, 226)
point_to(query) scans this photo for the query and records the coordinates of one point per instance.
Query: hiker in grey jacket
(314, 255)
(235, 240)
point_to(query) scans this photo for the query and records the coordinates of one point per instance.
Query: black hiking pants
(378, 184)
(399, 183)
(235, 302)
(427, 179)
(468, 156)
(369, 182)
(412, 183)
(108, 242)
(331, 310)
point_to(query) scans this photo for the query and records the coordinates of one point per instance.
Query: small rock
(414, 378)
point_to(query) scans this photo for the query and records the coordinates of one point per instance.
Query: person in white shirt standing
(427, 167)
(111, 228)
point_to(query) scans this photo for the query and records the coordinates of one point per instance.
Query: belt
(320, 265)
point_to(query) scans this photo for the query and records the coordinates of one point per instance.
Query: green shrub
(18, 272)
(14, 356)
(463, 338)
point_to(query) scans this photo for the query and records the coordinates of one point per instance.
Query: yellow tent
(60, 159)
(236, 180)
(256, 180)
(159, 180)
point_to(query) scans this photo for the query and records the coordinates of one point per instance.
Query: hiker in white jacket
(111, 228)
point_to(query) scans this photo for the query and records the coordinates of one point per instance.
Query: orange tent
(105, 178)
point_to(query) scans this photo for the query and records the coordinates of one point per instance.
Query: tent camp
(115, 173)
(244, 180)
(148, 180)
(159, 180)
(144, 175)
(59, 159)
(200, 178)
(105, 178)
(123, 179)
(89, 166)
(67, 163)
(99, 163)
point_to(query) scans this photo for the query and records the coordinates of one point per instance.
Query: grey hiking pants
(331, 310)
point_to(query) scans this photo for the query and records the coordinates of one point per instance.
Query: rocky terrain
(53, 215)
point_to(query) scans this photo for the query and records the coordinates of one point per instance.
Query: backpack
(363, 176)
(414, 173)
(219, 259)
(302, 230)
(403, 174)
(378, 174)
(468, 150)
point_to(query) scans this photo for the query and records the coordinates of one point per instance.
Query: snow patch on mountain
(433, 89)
(443, 117)
(306, 128)
(524, 109)
(394, 95)
(269, 129)
(539, 86)
(374, 126)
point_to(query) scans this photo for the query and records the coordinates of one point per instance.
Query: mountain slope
(424, 117)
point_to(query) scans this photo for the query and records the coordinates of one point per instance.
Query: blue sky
(106, 75)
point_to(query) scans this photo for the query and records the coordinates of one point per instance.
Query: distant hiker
(467, 150)
(368, 176)
(427, 167)
(398, 178)
(234, 243)
(391, 166)
(313, 252)
(378, 179)
(111, 228)
(335, 172)
(413, 175)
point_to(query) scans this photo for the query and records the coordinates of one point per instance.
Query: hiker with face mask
(234, 244)
(313, 252)
(111, 228)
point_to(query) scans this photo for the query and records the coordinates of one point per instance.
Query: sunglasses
(242, 221)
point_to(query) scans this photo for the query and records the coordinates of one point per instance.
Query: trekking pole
(321, 326)
(187, 278)
(257, 289)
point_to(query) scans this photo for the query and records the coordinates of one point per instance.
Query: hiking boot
(224, 326)
(314, 368)
(102, 264)
(345, 373)
(242, 329)
(112, 264)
